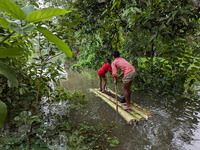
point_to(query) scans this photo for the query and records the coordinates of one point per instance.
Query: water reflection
(176, 126)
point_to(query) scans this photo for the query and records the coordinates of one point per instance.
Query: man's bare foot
(103, 91)
(123, 104)
(100, 90)
(126, 107)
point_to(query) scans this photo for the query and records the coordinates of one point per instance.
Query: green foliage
(3, 113)
(45, 13)
(20, 140)
(77, 98)
(52, 38)
(22, 27)
(165, 77)
(77, 67)
(27, 93)
(168, 30)
(13, 9)
(22, 30)
(28, 9)
(138, 29)
(12, 52)
(91, 137)
(113, 141)
(33, 16)
(4, 23)
(9, 73)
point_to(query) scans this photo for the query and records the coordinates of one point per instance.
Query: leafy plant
(27, 19)
(89, 137)
(3, 112)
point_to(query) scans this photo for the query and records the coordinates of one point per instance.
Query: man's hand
(115, 80)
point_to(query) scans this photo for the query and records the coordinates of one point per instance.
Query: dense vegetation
(159, 37)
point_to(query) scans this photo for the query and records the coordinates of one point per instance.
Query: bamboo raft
(133, 116)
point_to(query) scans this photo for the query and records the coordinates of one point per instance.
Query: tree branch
(7, 37)
(53, 56)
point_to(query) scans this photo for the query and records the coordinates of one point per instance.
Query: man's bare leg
(127, 94)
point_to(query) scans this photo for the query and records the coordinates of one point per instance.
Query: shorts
(130, 76)
(101, 73)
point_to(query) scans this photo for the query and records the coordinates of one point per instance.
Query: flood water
(176, 127)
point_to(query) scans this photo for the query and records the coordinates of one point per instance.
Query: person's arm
(114, 73)
(114, 70)
(110, 69)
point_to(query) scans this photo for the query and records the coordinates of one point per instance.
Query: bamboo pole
(116, 97)
(128, 117)
(108, 97)
(136, 115)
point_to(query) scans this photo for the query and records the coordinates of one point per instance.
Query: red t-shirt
(106, 67)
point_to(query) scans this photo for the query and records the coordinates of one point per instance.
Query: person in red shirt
(128, 71)
(101, 73)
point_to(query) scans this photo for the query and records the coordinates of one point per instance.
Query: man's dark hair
(115, 54)
(108, 60)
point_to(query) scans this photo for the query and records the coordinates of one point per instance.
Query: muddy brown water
(176, 127)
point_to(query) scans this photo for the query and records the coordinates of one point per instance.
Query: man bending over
(128, 71)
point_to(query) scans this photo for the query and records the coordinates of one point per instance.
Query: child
(101, 73)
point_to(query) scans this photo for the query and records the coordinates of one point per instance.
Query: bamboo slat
(133, 112)
(128, 117)
(135, 107)
(137, 112)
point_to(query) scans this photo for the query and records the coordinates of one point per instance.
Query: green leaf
(115, 3)
(16, 28)
(3, 113)
(22, 30)
(173, 13)
(184, 20)
(35, 4)
(13, 52)
(14, 22)
(13, 9)
(4, 23)
(46, 13)
(153, 37)
(28, 9)
(29, 28)
(137, 10)
(9, 73)
(52, 38)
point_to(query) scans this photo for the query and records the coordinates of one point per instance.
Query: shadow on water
(176, 125)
